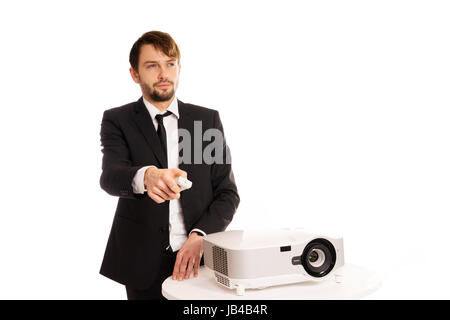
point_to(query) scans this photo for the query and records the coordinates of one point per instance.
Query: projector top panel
(239, 239)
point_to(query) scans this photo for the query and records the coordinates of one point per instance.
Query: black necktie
(162, 131)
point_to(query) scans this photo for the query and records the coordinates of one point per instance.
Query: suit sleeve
(117, 169)
(225, 194)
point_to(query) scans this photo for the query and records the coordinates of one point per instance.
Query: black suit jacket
(140, 229)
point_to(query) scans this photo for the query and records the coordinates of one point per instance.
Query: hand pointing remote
(160, 183)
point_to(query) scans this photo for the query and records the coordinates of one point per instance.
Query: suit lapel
(186, 122)
(144, 121)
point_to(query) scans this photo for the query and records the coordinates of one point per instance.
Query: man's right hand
(161, 185)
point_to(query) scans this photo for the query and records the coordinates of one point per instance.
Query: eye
(151, 65)
(171, 64)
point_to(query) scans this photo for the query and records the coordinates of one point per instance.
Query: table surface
(357, 282)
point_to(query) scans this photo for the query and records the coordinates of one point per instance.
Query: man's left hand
(188, 257)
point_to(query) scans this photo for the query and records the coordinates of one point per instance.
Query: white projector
(258, 259)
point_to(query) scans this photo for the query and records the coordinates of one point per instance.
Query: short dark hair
(160, 40)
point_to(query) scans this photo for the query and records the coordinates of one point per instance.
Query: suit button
(164, 229)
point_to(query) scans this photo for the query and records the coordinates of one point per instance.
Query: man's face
(157, 74)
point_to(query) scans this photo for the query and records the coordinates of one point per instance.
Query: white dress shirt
(177, 230)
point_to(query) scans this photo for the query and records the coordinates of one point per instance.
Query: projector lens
(313, 256)
(319, 258)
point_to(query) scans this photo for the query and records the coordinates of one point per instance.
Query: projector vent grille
(220, 261)
(223, 280)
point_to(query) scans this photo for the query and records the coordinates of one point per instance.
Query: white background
(336, 114)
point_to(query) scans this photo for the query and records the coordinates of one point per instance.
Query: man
(157, 229)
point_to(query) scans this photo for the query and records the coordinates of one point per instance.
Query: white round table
(357, 282)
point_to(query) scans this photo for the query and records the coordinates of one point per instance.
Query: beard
(158, 94)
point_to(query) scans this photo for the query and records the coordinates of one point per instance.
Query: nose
(163, 73)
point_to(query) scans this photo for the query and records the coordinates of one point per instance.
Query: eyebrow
(154, 61)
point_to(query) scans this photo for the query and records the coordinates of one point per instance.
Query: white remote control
(183, 183)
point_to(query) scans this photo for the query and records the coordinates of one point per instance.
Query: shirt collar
(173, 107)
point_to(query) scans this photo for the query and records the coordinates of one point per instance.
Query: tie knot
(159, 117)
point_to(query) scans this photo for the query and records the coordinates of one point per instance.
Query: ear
(135, 75)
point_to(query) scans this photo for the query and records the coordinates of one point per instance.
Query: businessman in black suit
(157, 229)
